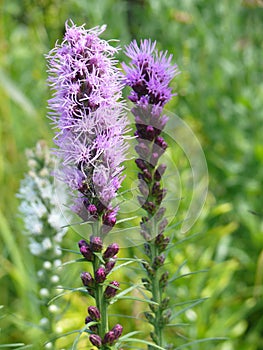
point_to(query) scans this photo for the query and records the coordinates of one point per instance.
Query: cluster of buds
(92, 251)
(109, 339)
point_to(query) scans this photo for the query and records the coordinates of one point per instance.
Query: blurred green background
(218, 47)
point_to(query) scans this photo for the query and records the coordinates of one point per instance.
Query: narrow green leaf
(148, 301)
(198, 301)
(144, 342)
(200, 341)
(187, 274)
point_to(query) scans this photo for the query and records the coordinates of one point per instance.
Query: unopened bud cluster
(91, 251)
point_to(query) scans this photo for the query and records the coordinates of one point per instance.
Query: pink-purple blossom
(89, 116)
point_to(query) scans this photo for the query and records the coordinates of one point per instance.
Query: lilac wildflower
(149, 75)
(87, 111)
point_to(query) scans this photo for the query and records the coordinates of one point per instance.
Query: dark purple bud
(155, 157)
(111, 251)
(93, 328)
(88, 319)
(109, 218)
(94, 313)
(140, 164)
(100, 275)
(158, 261)
(82, 242)
(161, 143)
(117, 330)
(150, 207)
(111, 290)
(109, 338)
(142, 149)
(110, 265)
(164, 279)
(95, 340)
(87, 279)
(164, 245)
(95, 244)
(156, 188)
(92, 209)
(150, 133)
(160, 213)
(159, 172)
(165, 303)
(161, 196)
(143, 188)
(86, 252)
(147, 175)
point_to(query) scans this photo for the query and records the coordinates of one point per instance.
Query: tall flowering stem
(91, 122)
(149, 75)
(43, 228)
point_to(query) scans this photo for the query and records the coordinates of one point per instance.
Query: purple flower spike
(89, 115)
(149, 73)
(111, 289)
(95, 340)
(111, 251)
(94, 313)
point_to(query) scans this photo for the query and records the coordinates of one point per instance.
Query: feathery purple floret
(149, 73)
(87, 111)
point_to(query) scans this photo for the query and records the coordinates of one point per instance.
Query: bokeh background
(218, 47)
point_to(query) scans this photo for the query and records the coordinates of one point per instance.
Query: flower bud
(94, 313)
(87, 279)
(159, 172)
(100, 275)
(92, 209)
(165, 303)
(109, 338)
(95, 244)
(111, 250)
(158, 261)
(117, 330)
(160, 213)
(82, 242)
(110, 265)
(95, 340)
(93, 328)
(86, 252)
(111, 290)
(164, 279)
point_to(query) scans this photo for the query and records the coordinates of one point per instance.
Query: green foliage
(218, 48)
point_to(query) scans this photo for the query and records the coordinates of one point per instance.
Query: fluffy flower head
(87, 111)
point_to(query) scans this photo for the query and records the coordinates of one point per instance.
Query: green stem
(101, 303)
(156, 292)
